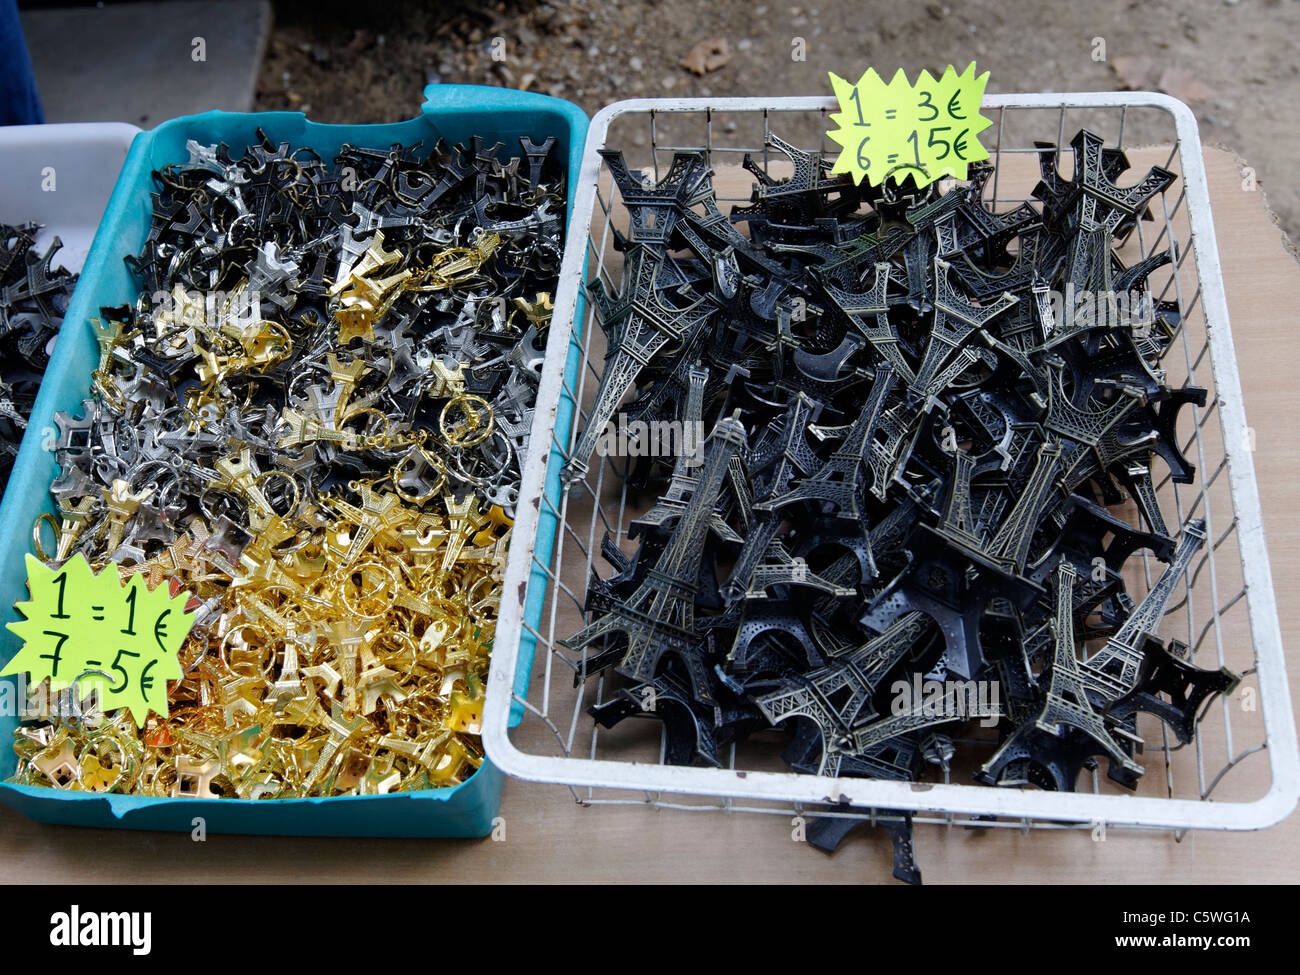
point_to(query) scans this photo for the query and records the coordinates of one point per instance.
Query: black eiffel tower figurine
(841, 481)
(869, 313)
(837, 697)
(640, 324)
(1066, 705)
(955, 320)
(660, 616)
(1172, 689)
(1100, 211)
(1115, 669)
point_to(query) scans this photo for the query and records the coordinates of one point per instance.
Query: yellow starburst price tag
(928, 130)
(92, 632)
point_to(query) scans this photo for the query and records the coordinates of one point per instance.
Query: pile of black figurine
(34, 295)
(920, 412)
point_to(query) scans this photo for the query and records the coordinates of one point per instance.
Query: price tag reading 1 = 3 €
(92, 632)
(926, 131)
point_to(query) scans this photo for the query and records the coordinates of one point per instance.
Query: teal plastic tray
(451, 112)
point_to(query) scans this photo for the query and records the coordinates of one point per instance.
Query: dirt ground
(1235, 61)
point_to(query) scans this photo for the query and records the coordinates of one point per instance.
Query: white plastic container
(61, 176)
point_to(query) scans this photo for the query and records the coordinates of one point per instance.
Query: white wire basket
(1240, 772)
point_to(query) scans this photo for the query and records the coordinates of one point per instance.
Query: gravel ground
(1234, 62)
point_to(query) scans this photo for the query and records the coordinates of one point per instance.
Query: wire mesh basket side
(1224, 611)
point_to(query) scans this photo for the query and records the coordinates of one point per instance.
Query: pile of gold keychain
(342, 648)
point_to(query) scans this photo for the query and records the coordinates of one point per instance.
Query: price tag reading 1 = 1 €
(92, 632)
(926, 131)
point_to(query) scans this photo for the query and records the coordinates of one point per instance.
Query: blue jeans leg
(19, 102)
